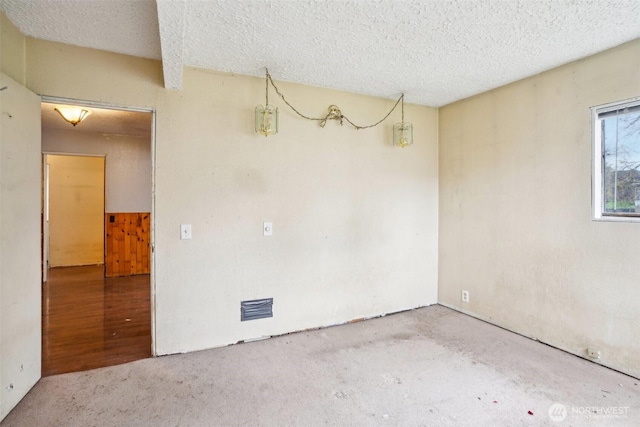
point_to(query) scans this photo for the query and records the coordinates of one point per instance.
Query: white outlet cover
(465, 296)
(593, 353)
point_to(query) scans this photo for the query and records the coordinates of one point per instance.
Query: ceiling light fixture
(266, 119)
(73, 115)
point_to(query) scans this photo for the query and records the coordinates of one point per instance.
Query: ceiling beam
(171, 23)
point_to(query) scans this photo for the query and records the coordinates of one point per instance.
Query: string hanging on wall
(267, 117)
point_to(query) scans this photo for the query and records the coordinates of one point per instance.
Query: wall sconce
(73, 115)
(266, 119)
(403, 131)
(267, 116)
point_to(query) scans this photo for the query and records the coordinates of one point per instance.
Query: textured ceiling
(436, 52)
(122, 26)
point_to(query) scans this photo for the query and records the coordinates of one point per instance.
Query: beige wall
(515, 212)
(12, 50)
(355, 220)
(76, 210)
(127, 163)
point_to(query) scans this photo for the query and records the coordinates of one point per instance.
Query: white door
(20, 207)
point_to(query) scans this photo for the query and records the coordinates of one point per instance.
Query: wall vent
(256, 309)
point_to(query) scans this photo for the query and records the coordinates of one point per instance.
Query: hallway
(90, 322)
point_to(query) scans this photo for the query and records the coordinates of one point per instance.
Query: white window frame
(597, 199)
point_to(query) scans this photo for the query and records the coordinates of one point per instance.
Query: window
(616, 160)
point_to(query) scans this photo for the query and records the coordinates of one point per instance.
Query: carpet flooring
(426, 367)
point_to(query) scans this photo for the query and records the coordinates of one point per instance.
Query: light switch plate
(267, 228)
(185, 231)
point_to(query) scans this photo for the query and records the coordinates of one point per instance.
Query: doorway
(95, 171)
(75, 196)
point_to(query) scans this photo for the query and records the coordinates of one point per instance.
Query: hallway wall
(127, 164)
(76, 210)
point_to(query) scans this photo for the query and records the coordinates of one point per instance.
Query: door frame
(152, 111)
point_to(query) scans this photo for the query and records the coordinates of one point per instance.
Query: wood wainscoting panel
(127, 238)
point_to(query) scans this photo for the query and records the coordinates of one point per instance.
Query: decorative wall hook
(334, 114)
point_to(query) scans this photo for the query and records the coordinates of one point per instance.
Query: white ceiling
(436, 52)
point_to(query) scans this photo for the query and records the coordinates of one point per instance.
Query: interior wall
(12, 50)
(127, 160)
(76, 210)
(515, 212)
(355, 219)
(515, 203)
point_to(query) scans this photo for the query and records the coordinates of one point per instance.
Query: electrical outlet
(465, 296)
(593, 353)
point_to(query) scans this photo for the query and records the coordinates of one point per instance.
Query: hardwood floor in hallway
(90, 322)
